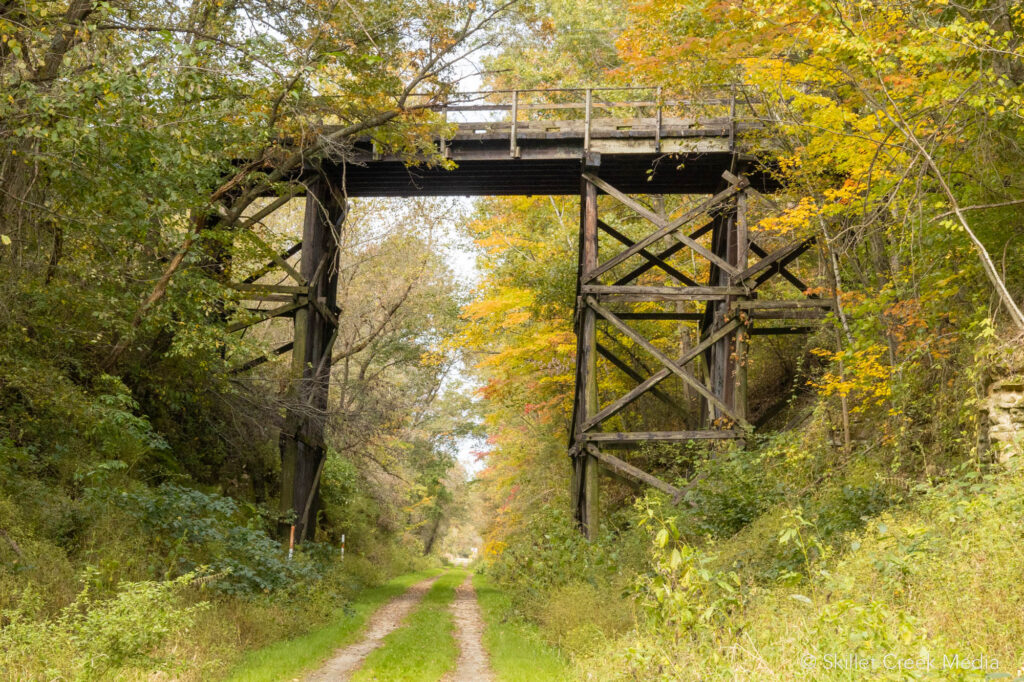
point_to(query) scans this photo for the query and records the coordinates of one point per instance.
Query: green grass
(424, 649)
(517, 652)
(289, 658)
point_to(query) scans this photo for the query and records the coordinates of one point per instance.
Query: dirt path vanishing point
(473, 664)
(347, 660)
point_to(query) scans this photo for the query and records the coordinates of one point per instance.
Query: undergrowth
(797, 557)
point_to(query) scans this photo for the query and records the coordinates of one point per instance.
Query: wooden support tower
(311, 301)
(316, 328)
(730, 304)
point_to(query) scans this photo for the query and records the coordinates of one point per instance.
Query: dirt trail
(347, 660)
(473, 664)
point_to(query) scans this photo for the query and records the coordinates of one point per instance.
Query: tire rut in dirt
(381, 623)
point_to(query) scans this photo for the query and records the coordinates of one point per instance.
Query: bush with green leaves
(192, 529)
(550, 552)
(93, 636)
(683, 590)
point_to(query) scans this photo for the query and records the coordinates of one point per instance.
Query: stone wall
(1004, 419)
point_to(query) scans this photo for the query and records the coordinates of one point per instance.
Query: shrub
(193, 529)
(91, 636)
(682, 592)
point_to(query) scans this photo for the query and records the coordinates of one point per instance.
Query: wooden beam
(741, 339)
(666, 361)
(588, 503)
(614, 407)
(256, 362)
(646, 293)
(651, 258)
(303, 449)
(678, 246)
(272, 264)
(273, 312)
(630, 471)
(664, 316)
(668, 228)
(629, 437)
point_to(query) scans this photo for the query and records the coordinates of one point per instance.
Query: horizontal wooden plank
(676, 317)
(776, 331)
(661, 436)
(650, 293)
(756, 304)
(270, 288)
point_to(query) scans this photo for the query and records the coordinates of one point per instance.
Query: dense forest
(151, 158)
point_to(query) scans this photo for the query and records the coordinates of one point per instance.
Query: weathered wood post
(726, 359)
(742, 344)
(586, 466)
(302, 439)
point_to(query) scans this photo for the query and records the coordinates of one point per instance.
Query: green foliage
(682, 590)
(92, 637)
(191, 529)
(550, 552)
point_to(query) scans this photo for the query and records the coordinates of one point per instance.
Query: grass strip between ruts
(291, 657)
(517, 652)
(424, 648)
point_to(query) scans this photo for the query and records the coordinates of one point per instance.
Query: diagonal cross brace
(275, 256)
(629, 471)
(652, 259)
(678, 246)
(664, 228)
(779, 268)
(626, 369)
(774, 257)
(653, 217)
(666, 361)
(659, 376)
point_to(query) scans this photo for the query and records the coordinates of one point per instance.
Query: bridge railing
(729, 105)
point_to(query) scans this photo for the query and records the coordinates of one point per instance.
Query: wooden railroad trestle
(731, 304)
(617, 158)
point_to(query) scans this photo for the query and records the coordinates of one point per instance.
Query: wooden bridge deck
(637, 155)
